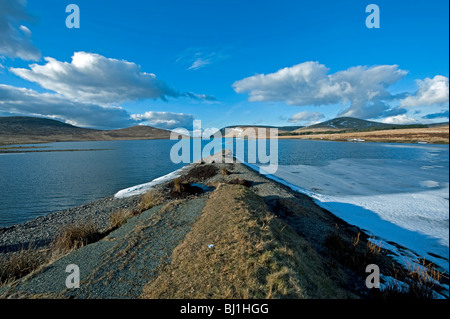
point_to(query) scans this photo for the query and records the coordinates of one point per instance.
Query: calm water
(35, 184)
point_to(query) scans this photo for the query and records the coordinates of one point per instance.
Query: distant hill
(337, 125)
(23, 129)
(438, 124)
(346, 123)
(350, 124)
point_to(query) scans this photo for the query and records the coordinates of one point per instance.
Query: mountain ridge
(352, 123)
(28, 130)
(336, 125)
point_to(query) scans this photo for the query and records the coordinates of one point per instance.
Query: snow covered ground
(399, 201)
(143, 188)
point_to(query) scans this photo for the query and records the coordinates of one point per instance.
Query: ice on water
(403, 201)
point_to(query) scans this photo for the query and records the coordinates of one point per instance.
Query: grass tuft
(76, 236)
(351, 253)
(224, 171)
(177, 185)
(148, 200)
(120, 217)
(19, 264)
(417, 281)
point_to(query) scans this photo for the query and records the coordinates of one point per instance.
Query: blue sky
(165, 63)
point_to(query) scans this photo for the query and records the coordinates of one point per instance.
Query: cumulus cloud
(95, 78)
(363, 89)
(15, 39)
(25, 101)
(29, 102)
(92, 77)
(165, 120)
(399, 119)
(306, 116)
(430, 92)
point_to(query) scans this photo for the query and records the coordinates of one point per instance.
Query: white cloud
(399, 119)
(25, 30)
(199, 63)
(362, 88)
(197, 58)
(430, 92)
(165, 120)
(94, 78)
(14, 37)
(306, 116)
(29, 102)
(97, 79)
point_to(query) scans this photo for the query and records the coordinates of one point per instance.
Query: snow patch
(143, 188)
(391, 200)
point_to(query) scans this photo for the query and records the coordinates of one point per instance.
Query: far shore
(4, 142)
(434, 135)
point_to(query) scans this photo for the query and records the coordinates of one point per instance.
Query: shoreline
(279, 198)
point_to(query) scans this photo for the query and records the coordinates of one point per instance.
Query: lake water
(398, 192)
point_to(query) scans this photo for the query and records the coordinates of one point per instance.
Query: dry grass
(373, 248)
(16, 265)
(120, 217)
(148, 200)
(354, 254)
(177, 185)
(76, 236)
(437, 135)
(421, 280)
(19, 264)
(255, 255)
(224, 171)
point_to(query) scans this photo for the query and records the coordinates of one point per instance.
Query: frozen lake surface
(400, 199)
